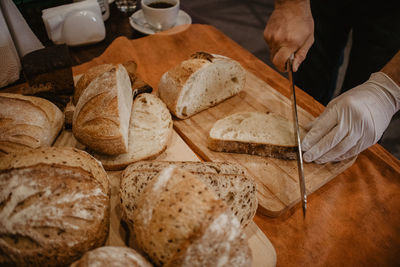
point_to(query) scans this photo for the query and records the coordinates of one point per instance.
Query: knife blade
(303, 194)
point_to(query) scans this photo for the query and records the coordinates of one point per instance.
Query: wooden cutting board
(278, 186)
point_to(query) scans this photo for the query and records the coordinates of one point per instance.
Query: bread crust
(87, 78)
(27, 122)
(96, 71)
(56, 206)
(259, 149)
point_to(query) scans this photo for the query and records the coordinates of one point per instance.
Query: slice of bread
(229, 181)
(27, 122)
(200, 82)
(55, 205)
(180, 222)
(149, 131)
(254, 133)
(112, 256)
(102, 114)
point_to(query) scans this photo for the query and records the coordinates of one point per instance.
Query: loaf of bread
(27, 122)
(229, 181)
(180, 222)
(102, 114)
(255, 133)
(54, 206)
(112, 256)
(149, 131)
(200, 82)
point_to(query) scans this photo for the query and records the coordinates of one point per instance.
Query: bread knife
(303, 194)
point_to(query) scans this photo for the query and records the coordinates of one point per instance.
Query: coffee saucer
(138, 22)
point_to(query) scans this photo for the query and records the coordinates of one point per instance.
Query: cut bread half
(255, 133)
(102, 114)
(150, 128)
(230, 182)
(200, 82)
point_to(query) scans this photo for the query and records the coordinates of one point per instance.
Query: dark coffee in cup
(160, 5)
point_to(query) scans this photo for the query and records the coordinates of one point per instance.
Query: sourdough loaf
(229, 181)
(180, 222)
(254, 133)
(112, 256)
(200, 82)
(27, 122)
(54, 206)
(149, 131)
(102, 114)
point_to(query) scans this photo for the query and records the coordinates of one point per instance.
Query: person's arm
(290, 29)
(355, 120)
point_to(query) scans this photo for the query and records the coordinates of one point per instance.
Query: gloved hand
(290, 29)
(353, 121)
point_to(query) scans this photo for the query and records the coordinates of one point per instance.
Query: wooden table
(354, 220)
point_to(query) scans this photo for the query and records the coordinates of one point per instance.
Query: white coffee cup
(161, 18)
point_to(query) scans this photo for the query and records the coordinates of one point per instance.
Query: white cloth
(10, 65)
(24, 39)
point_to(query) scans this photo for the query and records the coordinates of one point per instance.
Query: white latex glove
(353, 121)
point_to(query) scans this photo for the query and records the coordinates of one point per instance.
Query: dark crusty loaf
(180, 222)
(229, 181)
(27, 122)
(102, 114)
(112, 256)
(254, 133)
(54, 206)
(49, 74)
(149, 131)
(200, 82)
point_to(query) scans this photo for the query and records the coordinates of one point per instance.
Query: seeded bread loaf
(102, 114)
(180, 222)
(200, 82)
(229, 181)
(112, 256)
(54, 206)
(27, 122)
(254, 133)
(149, 131)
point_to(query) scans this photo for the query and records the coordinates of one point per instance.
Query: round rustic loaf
(112, 256)
(180, 222)
(229, 181)
(54, 206)
(27, 122)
